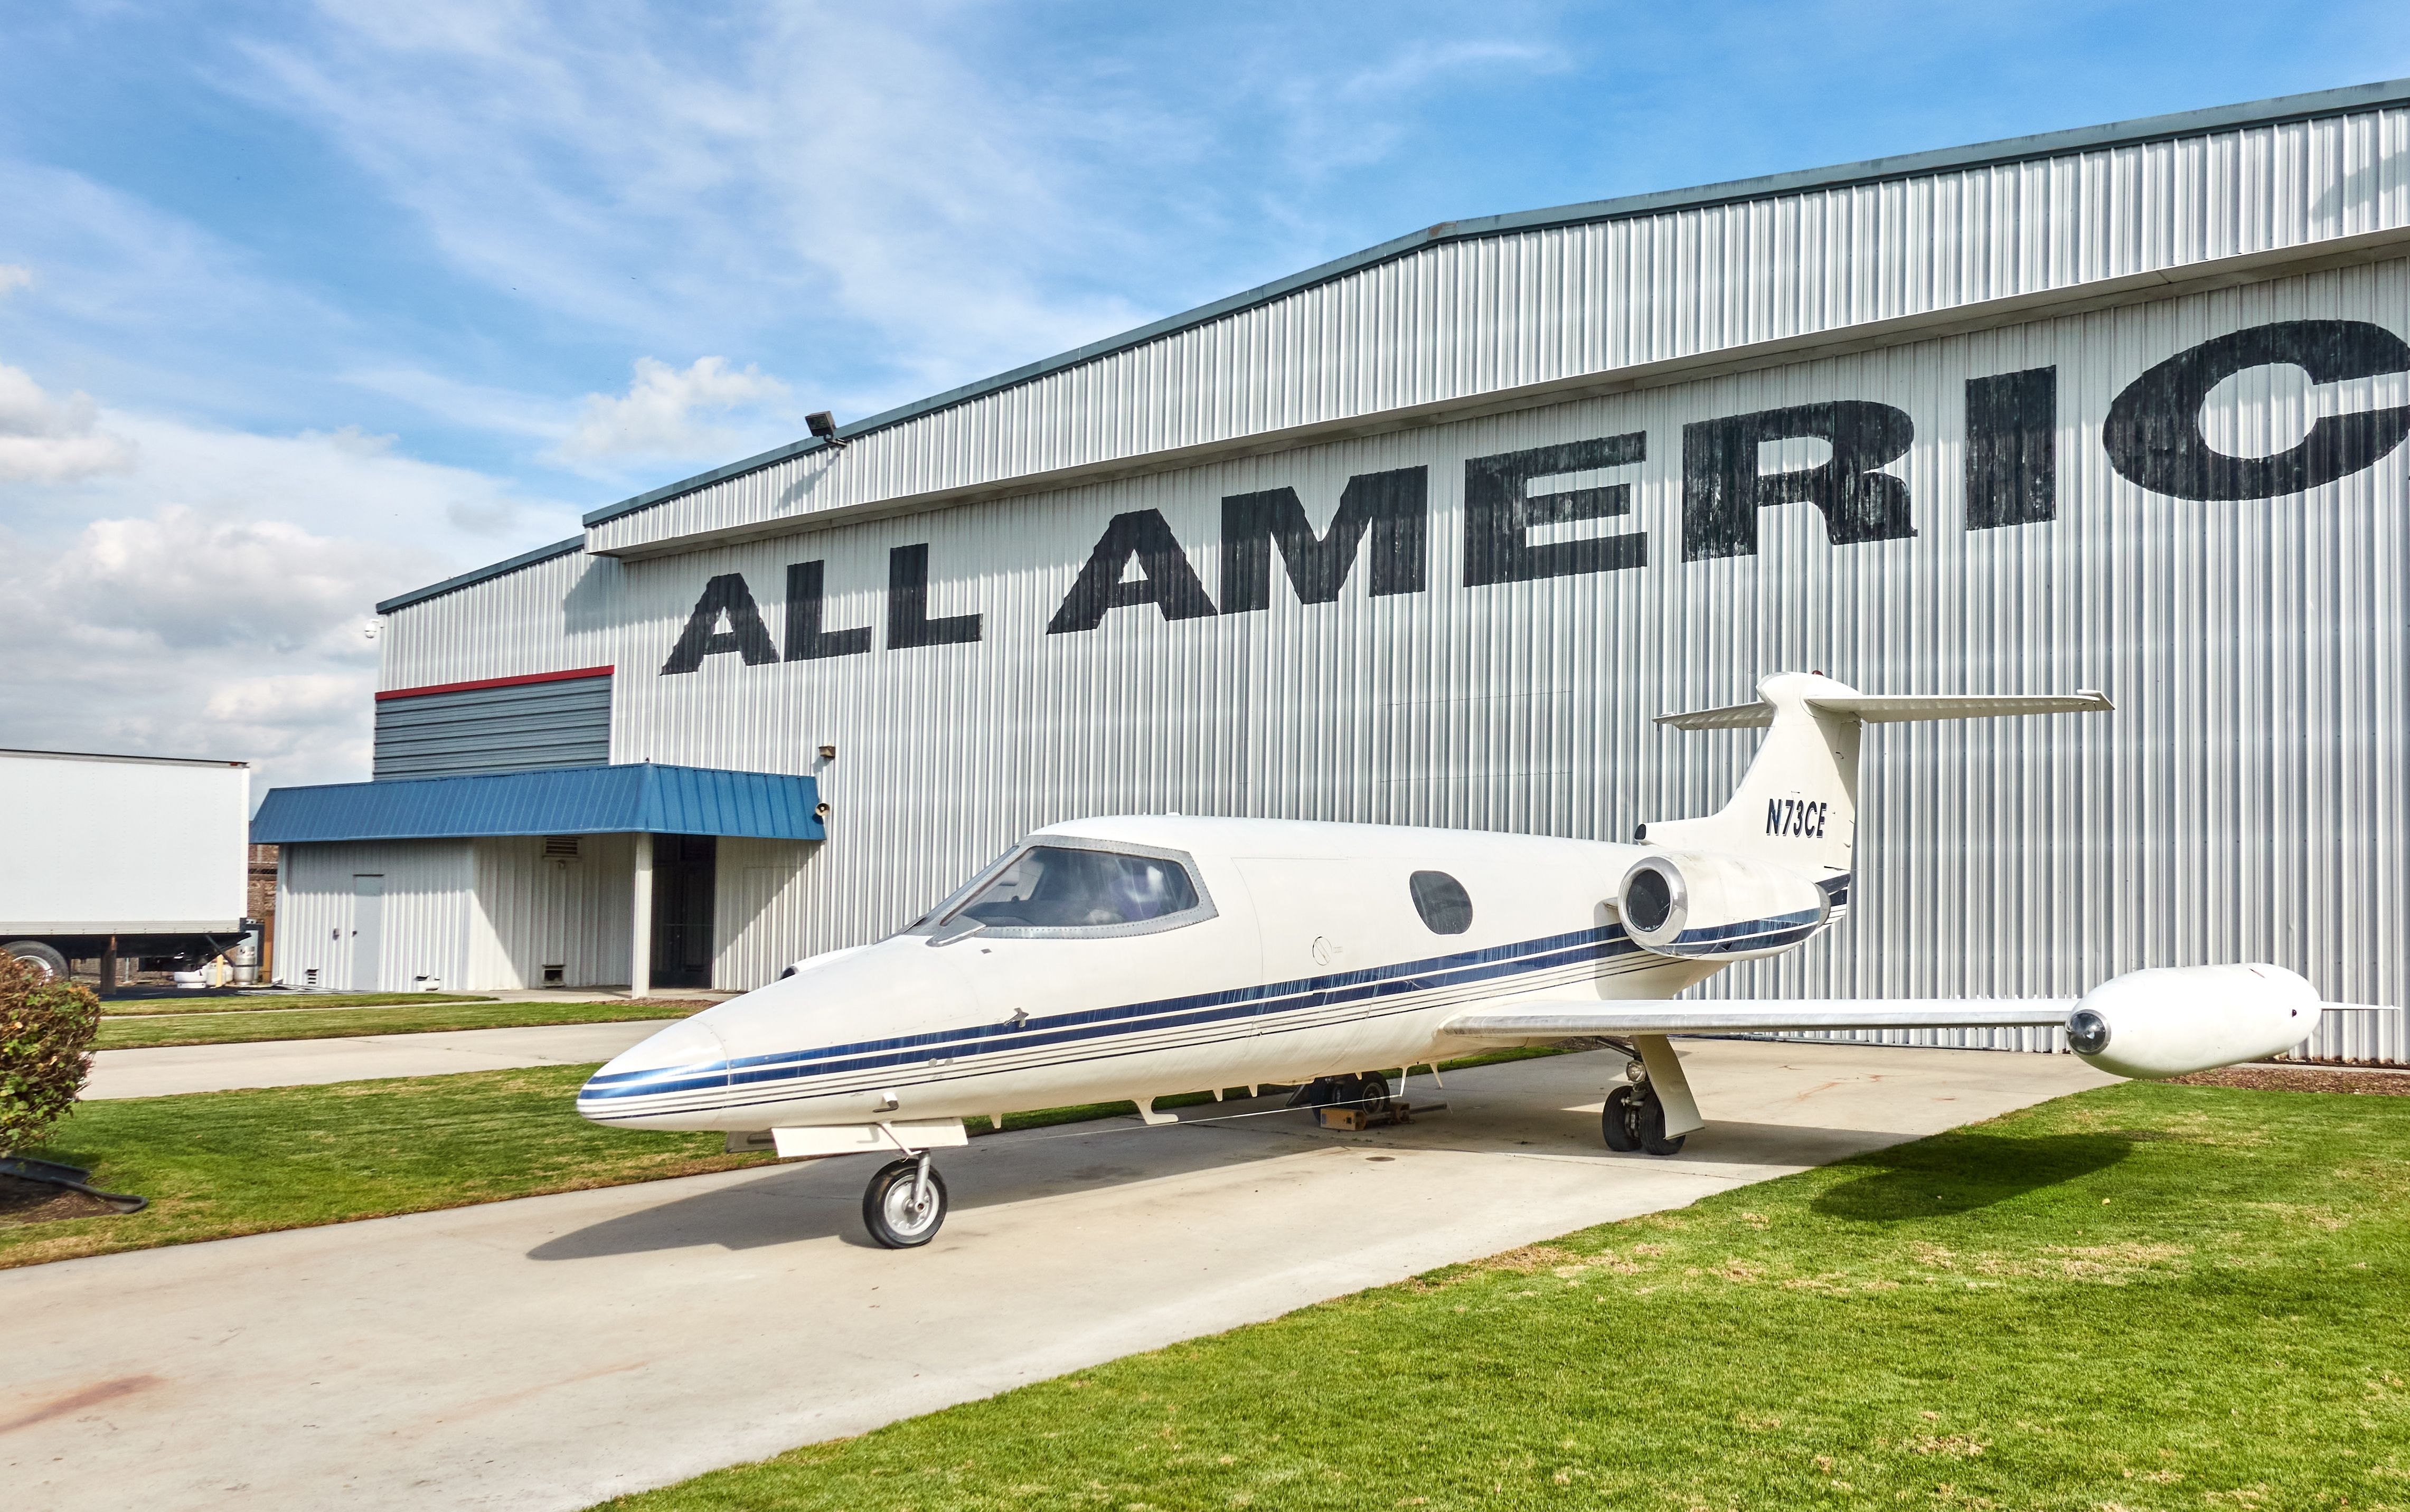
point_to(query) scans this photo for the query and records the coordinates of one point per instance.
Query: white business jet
(1141, 956)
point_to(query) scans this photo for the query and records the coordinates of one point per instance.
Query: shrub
(46, 1032)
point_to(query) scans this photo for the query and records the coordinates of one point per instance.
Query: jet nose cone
(672, 1071)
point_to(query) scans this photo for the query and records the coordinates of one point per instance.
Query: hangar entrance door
(685, 875)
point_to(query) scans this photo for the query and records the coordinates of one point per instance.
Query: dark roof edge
(468, 579)
(109, 756)
(2006, 150)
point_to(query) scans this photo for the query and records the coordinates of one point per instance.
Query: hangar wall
(491, 913)
(2245, 803)
(534, 911)
(423, 913)
(763, 908)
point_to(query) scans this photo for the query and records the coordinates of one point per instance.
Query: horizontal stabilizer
(1731, 716)
(1534, 1019)
(1896, 708)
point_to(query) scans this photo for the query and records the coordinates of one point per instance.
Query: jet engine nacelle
(2173, 1021)
(1695, 905)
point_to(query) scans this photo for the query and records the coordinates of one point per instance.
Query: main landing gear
(1634, 1119)
(906, 1203)
(1371, 1090)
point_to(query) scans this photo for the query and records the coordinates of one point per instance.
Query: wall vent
(554, 976)
(561, 848)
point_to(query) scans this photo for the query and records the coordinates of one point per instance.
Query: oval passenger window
(1440, 899)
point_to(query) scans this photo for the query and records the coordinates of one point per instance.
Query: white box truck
(139, 859)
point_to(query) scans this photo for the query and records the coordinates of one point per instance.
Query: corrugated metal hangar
(1428, 534)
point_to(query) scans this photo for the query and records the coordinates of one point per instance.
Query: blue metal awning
(641, 798)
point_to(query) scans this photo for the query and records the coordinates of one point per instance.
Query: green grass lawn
(145, 1006)
(215, 1164)
(412, 1016)
(2143, 1296)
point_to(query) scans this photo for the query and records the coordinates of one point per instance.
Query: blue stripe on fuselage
(1173, 1013)
(1370, 983)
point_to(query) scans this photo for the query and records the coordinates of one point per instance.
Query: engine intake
(1693, 904)
(2172, 1021)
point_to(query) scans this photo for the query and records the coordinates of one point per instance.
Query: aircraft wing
(1536, 1019)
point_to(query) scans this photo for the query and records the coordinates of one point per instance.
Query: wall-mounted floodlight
(823, 425)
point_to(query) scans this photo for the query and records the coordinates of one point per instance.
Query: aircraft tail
(1797, 807)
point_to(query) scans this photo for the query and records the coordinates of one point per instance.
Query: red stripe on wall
(493, 682)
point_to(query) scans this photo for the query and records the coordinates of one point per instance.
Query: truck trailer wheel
(52, 966)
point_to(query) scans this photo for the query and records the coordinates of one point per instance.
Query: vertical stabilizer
(1797, 807)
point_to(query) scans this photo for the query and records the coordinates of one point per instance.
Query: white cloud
(181, 634)
(46, 440)
(856, 168)
(151, 306)
(482, 406)
(1349, 117)
(356, 485)
(213, 599)
(180, 580)
(658, 416)
(15, 276)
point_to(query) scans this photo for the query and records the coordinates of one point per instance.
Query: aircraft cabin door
(1318, 917)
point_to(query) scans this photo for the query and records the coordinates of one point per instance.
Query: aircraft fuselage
(1307, 950)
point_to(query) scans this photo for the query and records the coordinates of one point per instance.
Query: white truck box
(150, 851)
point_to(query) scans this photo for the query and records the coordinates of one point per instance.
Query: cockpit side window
(1067, 886)
(1053, 887)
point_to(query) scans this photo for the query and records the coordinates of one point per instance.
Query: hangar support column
(640, 928)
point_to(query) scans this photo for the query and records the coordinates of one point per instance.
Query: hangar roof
(636, 798)
(1510, 311)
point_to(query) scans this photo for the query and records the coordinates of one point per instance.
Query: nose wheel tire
(1633, 1119)
(893, 1211)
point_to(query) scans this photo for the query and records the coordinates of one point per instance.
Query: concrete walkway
(172, 1069)
(550, 1352)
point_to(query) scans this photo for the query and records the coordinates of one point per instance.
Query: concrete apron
(553, 1351)
(166, 1070)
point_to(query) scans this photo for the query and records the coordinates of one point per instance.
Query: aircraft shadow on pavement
(1962, 1173)
(822, 1199)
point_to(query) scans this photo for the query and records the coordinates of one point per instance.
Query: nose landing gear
(906, 1203)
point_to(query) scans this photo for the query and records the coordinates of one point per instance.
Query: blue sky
(302, 305)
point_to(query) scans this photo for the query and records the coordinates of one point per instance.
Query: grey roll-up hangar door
(501, 724)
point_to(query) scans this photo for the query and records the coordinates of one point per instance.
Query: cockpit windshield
(1059, 887)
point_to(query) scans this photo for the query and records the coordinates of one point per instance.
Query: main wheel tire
(1319, 1093)
(1620, 1122)
(890, 1214)
(1652, 1127)
(1371, 1090)
(39, 956)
